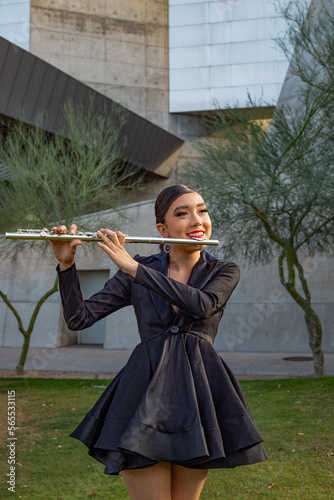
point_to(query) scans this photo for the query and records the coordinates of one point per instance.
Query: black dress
(175, 400)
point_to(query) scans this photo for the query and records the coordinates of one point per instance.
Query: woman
(175, 410)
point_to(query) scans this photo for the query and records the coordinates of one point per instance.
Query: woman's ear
(162, 230)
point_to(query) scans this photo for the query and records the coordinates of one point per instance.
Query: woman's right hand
(65, 250)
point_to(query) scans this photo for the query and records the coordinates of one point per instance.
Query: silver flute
(41, 234)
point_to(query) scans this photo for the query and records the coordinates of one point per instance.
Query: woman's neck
(179, 260)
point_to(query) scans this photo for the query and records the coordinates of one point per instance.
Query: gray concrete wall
(26, 278)
(260, 316)
(121, 50)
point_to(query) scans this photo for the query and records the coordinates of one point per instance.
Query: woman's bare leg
(152, 483)
(165, 482)
(187, 484)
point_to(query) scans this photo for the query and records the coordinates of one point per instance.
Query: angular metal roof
(30, 85)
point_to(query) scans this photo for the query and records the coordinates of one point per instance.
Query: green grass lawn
(295, 417)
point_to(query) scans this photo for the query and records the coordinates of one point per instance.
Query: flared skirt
(175, 401)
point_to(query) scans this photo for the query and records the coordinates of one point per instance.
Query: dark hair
(166, 198)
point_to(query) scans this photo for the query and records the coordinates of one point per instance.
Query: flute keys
(29, 231)
(35, 234)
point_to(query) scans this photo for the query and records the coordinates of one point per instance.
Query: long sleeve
(80, 313)
(200, 303)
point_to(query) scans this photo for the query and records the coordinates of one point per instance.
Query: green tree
(54, 179)
(271, 187)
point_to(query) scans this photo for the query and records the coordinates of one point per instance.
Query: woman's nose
(196, 220)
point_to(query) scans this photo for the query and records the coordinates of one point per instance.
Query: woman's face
(187, 217)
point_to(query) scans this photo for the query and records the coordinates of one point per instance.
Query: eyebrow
(187, 206)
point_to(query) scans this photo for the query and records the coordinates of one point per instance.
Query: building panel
(30, 86)
(15, 21)
(225, 47)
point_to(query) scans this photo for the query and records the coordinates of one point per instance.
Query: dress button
(174, 329)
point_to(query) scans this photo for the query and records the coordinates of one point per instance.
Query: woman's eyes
(202, 211)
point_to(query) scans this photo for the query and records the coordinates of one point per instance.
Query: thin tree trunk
(312, 320)
(27, 333)
(23, 356)
(315, 336)
(313, 323)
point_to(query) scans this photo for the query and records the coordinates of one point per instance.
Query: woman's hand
(65, 250)
(113, 245)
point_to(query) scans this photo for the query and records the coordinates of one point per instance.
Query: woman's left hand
(113, 245)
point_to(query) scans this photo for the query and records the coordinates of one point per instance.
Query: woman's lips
(196, 235)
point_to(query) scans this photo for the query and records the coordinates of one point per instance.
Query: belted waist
(174, 329)
(178, 330)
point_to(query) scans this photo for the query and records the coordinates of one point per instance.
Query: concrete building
(166, 62)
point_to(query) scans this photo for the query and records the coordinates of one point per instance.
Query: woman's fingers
(121, 237)
(75, 243)
(65, 247)
(60, 229)
(63, 229)
(113, 245)
(111, 234)
(109, 237)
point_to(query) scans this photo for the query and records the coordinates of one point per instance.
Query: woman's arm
(80, 313)
(199, 303)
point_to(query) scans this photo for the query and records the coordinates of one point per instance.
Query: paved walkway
(96, 360)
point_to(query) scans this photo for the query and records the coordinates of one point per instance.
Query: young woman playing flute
(175, 410)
